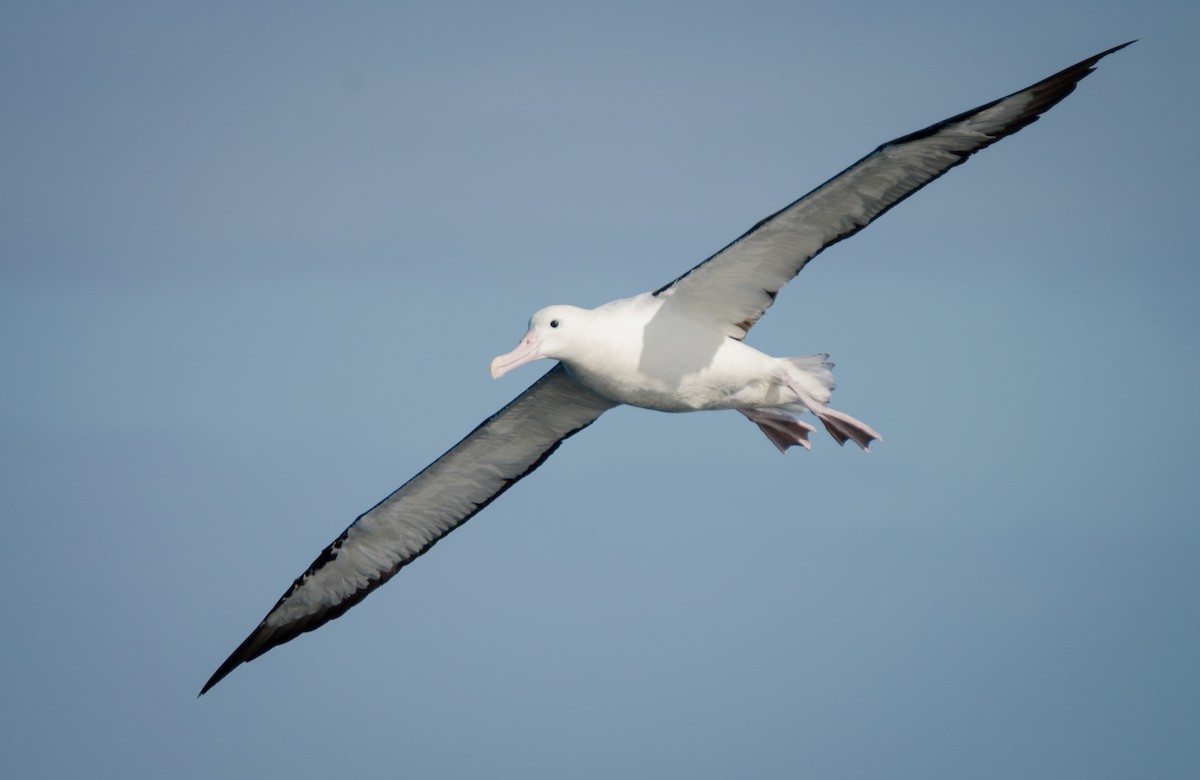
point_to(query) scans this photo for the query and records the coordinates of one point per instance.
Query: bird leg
(840, 425)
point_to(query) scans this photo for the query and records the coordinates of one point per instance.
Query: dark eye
(554, 323)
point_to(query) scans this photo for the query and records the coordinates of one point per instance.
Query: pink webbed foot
(841, 426)
(780, 428)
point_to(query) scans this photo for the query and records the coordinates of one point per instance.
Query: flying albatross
(679, 348)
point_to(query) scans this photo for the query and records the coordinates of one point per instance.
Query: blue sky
(254, 263)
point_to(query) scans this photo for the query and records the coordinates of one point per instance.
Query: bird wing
(733, 288)
(504, 448)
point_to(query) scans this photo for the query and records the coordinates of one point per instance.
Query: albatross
(680, 348)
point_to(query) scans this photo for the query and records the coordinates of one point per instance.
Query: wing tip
(230, 664)
(1070, 76)
(1046, 94)
(1116, 48)
(252, 647)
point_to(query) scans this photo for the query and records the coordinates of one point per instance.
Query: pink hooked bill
(527, 351)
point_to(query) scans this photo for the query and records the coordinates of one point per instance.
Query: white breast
(642, 353)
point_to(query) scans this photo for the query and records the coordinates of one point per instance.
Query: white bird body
(643, 352)
(677, 349)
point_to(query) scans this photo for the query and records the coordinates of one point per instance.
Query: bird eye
(554, 323)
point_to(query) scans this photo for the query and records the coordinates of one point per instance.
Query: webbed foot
(841, 426)
(780, 428)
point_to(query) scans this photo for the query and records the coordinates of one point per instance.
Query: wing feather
(733, 288)
(498, 453)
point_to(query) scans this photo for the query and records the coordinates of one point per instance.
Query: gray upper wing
(503, 449)
(732, 289)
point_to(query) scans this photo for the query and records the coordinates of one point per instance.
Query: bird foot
(781, 429)
(841, 426)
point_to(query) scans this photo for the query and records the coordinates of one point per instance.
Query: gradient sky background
(254, 266)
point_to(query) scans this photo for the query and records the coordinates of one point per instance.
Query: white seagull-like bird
(678, 349)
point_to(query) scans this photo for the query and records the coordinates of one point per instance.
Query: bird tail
(814, 373)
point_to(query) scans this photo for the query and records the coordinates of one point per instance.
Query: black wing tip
(222, 672)
(1082, 68)
(1047, 93)
(1116, 48)
(252, 647)
(1052, 89)
(265, 638)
